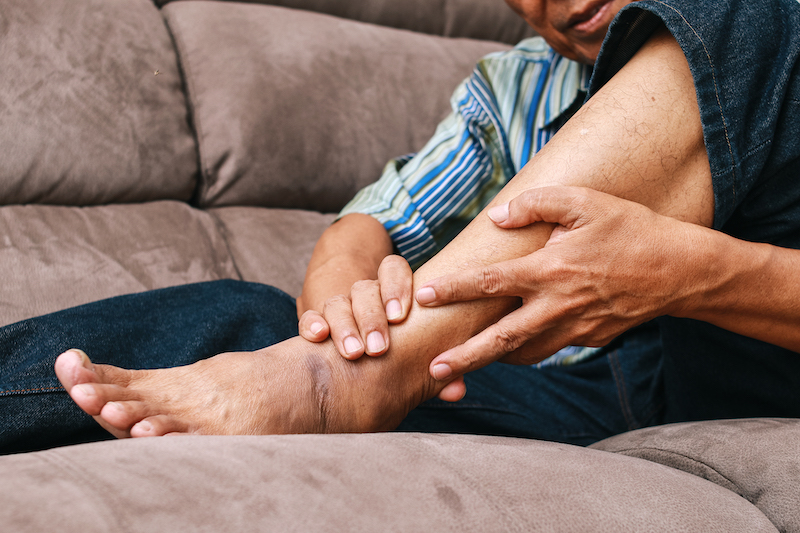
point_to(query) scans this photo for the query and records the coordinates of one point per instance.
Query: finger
(344, 332)
(508, 278)
(488, 346)
(539, 348)
(557, 205)
(313, 327)
(395, 278)
(370, 316)
(454, 391)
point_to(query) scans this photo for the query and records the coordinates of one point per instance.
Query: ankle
(369, 394)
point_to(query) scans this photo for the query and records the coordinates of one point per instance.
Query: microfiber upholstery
(301, 110)
(55, 257)
(378, 482)
(755, 458)
(84, 119)
(271, 246)
(478, 19)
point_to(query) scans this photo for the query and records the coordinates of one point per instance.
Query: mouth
(591, 18)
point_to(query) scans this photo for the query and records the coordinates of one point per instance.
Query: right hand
(358, 323)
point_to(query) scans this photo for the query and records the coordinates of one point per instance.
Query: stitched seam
(40, 389)
(622, 393)
(181, 52)
(716, 88)
(627, 451)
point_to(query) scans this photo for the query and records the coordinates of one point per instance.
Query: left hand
(609, 264)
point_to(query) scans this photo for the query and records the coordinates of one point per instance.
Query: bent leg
(639, 137)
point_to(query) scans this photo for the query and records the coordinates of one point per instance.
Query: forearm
(350, 250)
(745, 287)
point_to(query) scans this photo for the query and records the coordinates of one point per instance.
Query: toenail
(375, 342)
(115, 405)
(144, 426)
(316, 327)
(351, 345)
(86, 390)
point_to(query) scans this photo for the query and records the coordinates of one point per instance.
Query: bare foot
(285, 388)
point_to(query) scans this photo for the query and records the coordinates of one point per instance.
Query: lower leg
(639, 138)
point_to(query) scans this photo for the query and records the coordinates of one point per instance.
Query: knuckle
(364, 286)
(490, 281)
(506, 340)
(334, 303)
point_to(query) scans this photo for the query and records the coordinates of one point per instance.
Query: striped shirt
(504, 113)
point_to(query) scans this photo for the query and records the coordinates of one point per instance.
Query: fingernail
(499, 213)
(352, 345)
(315, 328)
(375, 342)
(393, 309)
(426, 295)
(442, 371)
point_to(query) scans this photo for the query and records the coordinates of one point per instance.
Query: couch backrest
(490, 20)
(84, 119)
(259, 105)
(299, 109)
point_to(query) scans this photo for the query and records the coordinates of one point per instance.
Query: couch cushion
(383, 482)
(271, 246)
(56, 257)
(758, 459)
(491, 20)
(83, 117)
(298, 109)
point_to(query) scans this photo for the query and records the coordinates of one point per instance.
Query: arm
(744, 287)
(618, 264)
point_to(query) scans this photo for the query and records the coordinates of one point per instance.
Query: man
(639, 137)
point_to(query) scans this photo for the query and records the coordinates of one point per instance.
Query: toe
(124, 414)
(92, 397)
(158, 425)
(73, 367)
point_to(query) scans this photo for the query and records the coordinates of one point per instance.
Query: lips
(591, 17)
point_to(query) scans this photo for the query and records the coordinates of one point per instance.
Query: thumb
(556, 205)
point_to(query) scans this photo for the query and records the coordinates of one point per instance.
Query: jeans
(611, 393)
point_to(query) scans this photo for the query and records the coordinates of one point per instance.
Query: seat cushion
(84, 119)
(378, 482)
(55, 257)
(271, 246)
(301, 110)
(758, 459)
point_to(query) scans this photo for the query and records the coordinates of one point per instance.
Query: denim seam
(716, 88)
(622, 393)
(23, 391)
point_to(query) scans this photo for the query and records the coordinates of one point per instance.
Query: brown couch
(147, 145)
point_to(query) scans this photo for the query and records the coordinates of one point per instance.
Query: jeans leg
(617, 390)
(156, 329)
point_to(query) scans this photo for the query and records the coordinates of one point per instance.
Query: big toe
(74, 367)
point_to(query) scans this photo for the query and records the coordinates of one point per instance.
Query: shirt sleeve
(424, 200)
